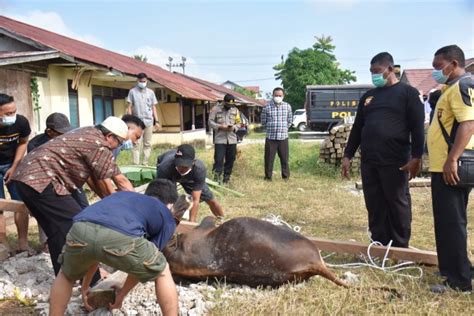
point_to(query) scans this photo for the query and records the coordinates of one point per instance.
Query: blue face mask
(8, 120)
(378, 80)
(127, 145)
(439, 76)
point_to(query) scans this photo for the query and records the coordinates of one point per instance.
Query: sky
(242, 40)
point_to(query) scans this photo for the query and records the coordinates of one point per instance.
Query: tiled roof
(420, 79)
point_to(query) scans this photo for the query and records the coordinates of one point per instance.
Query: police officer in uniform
(225, 120)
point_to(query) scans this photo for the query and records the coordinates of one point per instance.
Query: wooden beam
(415, 183)
(351, 247)
(12, 206)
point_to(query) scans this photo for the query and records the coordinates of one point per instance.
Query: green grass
(324, 206)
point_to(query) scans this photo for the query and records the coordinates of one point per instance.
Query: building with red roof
(89, 83)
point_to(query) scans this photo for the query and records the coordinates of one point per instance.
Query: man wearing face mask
(181, 166)
(389, 128)
(224, 119)
(135, 133)
(14, 132)
(47, 177)
(455, 112)
(142, 103)
(276, 118)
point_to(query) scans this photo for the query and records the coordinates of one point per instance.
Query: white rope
(278, 221)
(395, 269)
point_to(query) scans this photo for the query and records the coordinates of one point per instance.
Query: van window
(299, 112)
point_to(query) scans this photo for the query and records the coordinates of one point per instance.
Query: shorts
(88, 243)
(206, 193)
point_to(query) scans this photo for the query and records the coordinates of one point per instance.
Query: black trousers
(388, 203)
(271, 148)
(224, 157)
(449, 211)
(54, 214)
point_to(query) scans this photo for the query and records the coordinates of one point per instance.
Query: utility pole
(170, 65)
(183, 64)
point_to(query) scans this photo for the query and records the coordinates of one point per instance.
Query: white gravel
(34, 275)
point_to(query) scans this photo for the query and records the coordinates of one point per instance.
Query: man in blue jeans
(14, 132)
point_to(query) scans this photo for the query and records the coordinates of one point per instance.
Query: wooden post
(181, 116)
(193, 115)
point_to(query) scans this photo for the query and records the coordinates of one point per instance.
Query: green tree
(311, 66)
(140, 57)
(246, 92)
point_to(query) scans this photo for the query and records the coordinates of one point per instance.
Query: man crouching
(126, 231)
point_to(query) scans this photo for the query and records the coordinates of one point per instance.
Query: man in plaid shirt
(276, 118)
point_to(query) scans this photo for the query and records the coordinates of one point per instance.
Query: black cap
(184, 156)
(229, 98)
(58, 122)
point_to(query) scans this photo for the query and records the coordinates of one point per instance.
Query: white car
(299, 120)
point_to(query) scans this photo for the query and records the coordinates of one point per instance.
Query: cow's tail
(328, 274)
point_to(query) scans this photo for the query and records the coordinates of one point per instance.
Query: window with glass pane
(73, 105)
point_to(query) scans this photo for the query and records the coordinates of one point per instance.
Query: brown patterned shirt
(67, 161)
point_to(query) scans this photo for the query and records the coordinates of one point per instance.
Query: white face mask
(127, 145)
(8, 120)
(142, 85)
(278, 100)
(183, 174)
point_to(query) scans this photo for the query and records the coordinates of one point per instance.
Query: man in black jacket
(389, 128)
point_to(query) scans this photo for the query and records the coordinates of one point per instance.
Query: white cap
(116, 126)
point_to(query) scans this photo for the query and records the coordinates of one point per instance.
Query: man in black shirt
(14, 132)
(180, 166)
(389, 127)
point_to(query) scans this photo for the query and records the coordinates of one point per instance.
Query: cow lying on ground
(245, 250)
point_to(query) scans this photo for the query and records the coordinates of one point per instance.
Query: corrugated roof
(222, 91)
(420, 79)
(93, 54)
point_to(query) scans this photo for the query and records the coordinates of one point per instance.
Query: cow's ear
(183, 204)
(207, 222)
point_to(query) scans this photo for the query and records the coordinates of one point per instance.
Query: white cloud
(53, 22)
(327, 5)
(159, 56)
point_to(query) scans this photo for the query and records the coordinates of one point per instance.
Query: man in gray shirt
(142, 103)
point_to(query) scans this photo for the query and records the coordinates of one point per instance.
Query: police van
(329, 105)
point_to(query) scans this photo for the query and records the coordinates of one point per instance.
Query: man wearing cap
(142, 103)
(14, 132)
(224, 119)
(56, 125)
(48, 176)
(180, 166)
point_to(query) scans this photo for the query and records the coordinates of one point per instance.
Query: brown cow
(248, 251)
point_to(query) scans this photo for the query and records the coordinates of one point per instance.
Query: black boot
(226, 178)
(217, 177)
